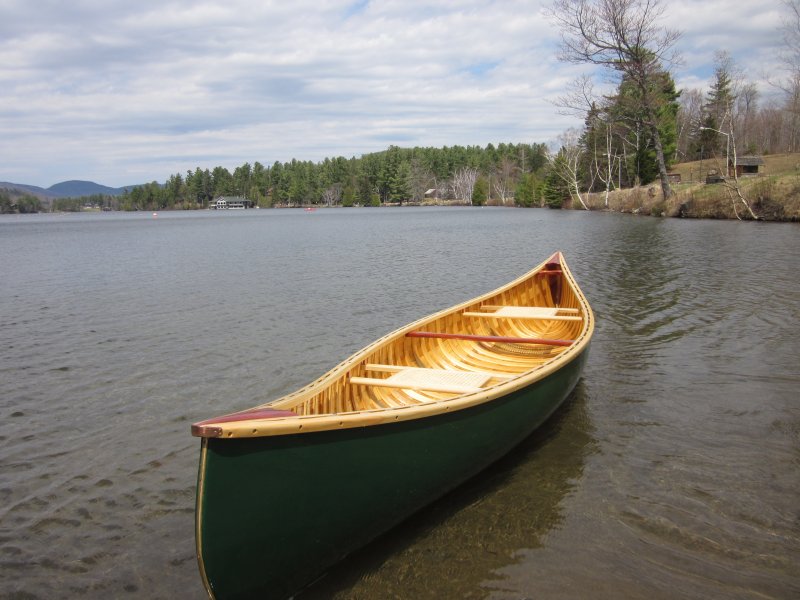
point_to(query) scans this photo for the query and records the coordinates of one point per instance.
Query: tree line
(25, 203)
(470, 174)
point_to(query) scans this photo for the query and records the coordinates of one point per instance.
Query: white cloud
(122, 92)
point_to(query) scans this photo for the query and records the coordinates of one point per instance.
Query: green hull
(273, 513)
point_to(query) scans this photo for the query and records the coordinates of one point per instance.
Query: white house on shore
(230, 203)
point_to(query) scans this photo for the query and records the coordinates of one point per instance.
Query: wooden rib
(458, 355)
(479, 356)
(384, 368)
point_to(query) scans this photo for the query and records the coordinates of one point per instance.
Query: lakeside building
(230, 203)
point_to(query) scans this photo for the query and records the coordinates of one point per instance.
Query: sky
(123, 93)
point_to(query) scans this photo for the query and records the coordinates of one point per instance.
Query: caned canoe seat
(527, 312)
(429, 380)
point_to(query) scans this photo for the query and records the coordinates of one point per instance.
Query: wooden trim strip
(209, 427)
(489, 338)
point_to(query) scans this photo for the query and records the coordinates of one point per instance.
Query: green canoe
(287, 489)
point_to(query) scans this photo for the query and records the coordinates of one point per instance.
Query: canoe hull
(275, 512)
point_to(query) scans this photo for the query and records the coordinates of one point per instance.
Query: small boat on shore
(287, 489)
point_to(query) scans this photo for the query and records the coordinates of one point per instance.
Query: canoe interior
(492, 344)
(452, 354)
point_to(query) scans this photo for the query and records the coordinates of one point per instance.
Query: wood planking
(504, 360)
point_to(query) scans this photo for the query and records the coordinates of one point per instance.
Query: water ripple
(674, 474)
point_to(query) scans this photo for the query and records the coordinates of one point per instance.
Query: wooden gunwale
(372, 413)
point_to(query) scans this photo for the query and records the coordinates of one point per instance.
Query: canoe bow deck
(385, 432)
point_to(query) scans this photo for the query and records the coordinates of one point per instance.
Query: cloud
(748, 31)
(120, 92)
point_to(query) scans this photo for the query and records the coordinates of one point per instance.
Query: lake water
(673, 471)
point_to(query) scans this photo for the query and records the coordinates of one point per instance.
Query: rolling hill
(65, 189)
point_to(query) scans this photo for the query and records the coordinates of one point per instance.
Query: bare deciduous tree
(581, 100)
(790, 84)
(566, 162)
(332, 195)
(420, 179)
(689, 118)
(622, 36)
(790, 56)
(503, 180)
(733, 187)
(603, 167)
(464, 183)
(746, 107)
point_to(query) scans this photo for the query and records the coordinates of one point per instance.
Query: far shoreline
(640, 202)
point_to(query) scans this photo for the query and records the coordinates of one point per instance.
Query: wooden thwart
(489, 338)
(526, 312)
(380, 368)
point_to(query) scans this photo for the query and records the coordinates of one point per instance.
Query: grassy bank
(773, 195)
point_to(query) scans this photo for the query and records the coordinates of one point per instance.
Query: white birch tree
(464, 183)
(565, 163)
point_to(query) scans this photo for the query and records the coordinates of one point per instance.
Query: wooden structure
(288, 488)
(714, 176)
(746, 165)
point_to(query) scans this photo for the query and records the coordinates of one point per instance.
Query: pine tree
(628, 120)
(554, 190)
(707, 141)
(480, 192)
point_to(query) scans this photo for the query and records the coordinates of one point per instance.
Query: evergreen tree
(399, 189)
(716, 112)
(5, 202)
(525, 193)
(720, 97)
(222, 182)
(632, 136)
(554, 190)
(480, 192)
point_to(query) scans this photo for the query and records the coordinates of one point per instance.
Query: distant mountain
(75, 189)
(19, 189)
(65, 189)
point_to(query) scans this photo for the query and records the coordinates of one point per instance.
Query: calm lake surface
(673, 471)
